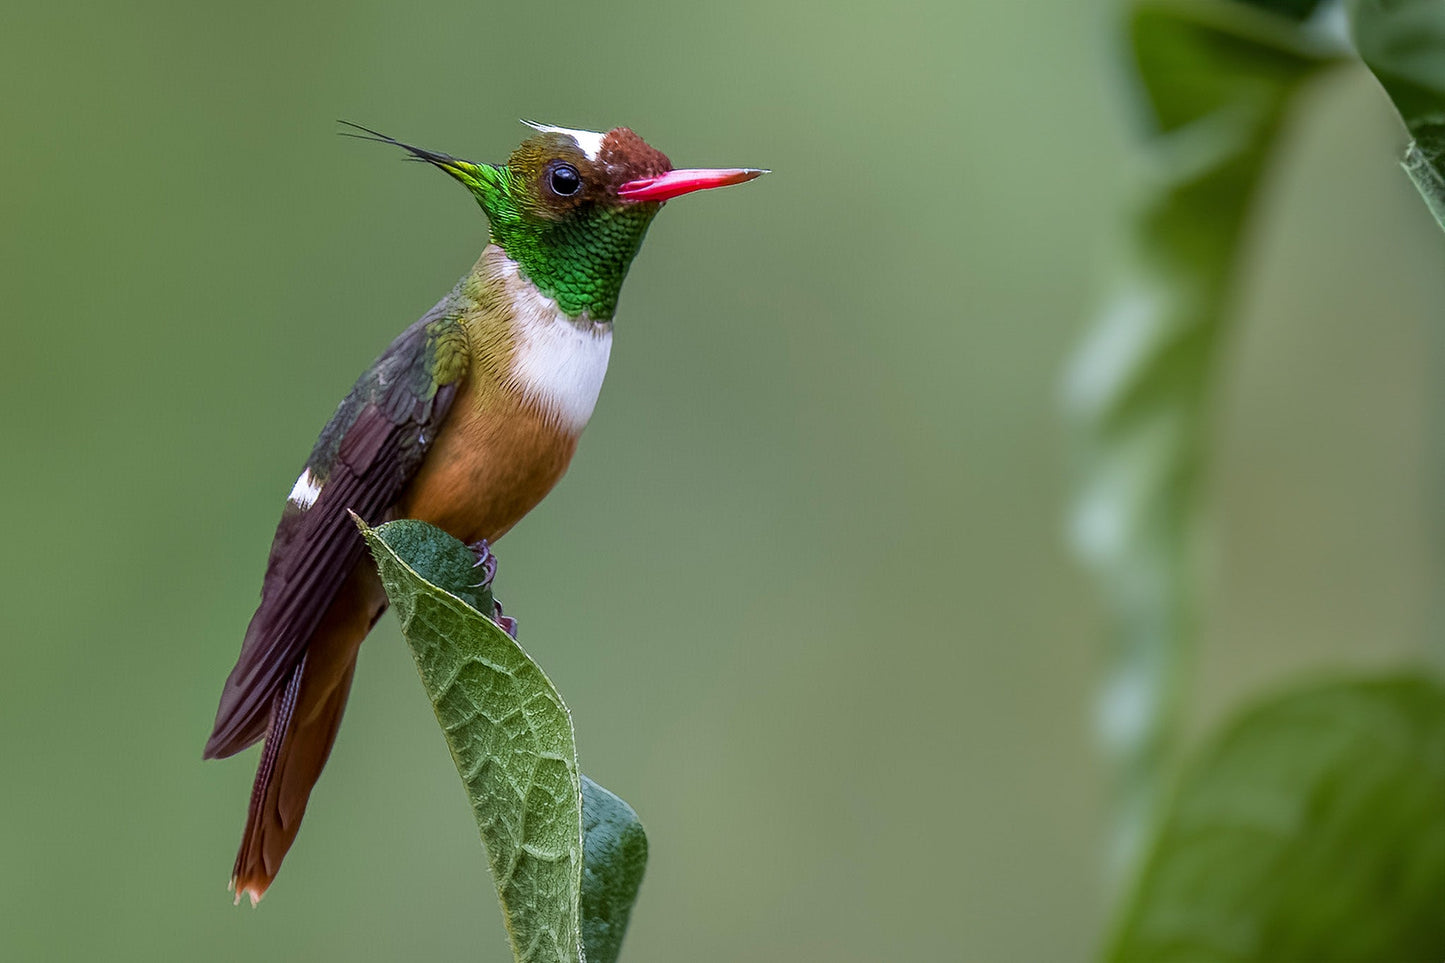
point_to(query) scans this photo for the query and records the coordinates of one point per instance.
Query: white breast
(558, 362)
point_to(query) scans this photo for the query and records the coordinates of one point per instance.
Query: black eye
(565, 180)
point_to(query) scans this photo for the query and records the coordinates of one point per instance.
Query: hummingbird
(466, 421)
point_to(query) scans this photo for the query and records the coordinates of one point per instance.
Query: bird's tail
(305, 717)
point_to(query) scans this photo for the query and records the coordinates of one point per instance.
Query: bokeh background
(804, 587)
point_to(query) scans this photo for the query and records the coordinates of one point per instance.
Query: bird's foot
(508, 624)
(486, 561)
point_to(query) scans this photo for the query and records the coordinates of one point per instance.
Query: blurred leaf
(1310, 830)
(1294, 9)
(614, 860)
(1403, 44)
(510, 735)
(1215, 79)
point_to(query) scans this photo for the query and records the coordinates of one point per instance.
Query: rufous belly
(493, 460)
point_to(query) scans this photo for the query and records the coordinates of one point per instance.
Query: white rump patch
(559, 361)
(589, 141)
(305, 492)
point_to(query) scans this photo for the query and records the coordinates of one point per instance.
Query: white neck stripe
(558, 362)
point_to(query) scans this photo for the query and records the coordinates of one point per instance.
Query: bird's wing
(367, 453)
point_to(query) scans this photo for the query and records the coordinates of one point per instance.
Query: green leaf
(1215, 79)
(612, 867)
(1403, 44)
(442, 562)
(511, 737)
(509, 732)
(1311, 830)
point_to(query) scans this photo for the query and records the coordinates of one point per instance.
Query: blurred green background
(804, 587)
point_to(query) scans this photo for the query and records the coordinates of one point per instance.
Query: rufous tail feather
(305, 717)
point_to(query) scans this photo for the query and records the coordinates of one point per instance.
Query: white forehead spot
(306, 490)
(589, 141)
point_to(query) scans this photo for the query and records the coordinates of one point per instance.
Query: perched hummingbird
(466, 421)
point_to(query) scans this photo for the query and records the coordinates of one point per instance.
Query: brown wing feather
(367, 454)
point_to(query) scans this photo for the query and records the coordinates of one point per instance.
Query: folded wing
(367, 453)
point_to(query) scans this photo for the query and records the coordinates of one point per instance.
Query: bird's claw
(486, 561)
(508, 624)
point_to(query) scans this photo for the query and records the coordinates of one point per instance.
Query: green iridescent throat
(580, 262)
(580, 259)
